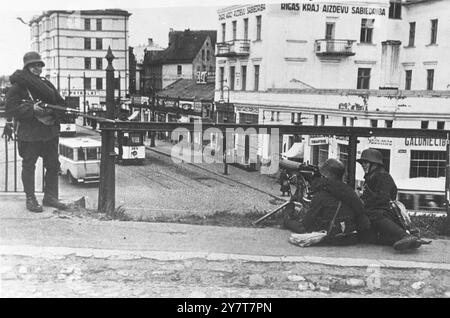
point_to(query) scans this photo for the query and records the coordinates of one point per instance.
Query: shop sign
(242, 11)
(186, 105)
(427, 142)
(332, 8)
(318, 141)
(247, 109)
(171, 103)
(376, 141)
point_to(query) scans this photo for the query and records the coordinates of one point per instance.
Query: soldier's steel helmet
(332, 168)
(371, 155)
(32, 57)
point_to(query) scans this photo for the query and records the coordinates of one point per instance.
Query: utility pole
(84, 98)
(68, 78)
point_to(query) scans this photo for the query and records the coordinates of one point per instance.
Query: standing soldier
(38, 129)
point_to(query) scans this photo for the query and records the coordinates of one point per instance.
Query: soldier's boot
(33, 205)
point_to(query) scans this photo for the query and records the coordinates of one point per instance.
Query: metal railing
(11, 169)
(334, 47)
(233, 48)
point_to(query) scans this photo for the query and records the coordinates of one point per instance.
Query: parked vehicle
(80, 159)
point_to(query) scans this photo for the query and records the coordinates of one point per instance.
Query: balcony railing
(233, 48)
(334, 47)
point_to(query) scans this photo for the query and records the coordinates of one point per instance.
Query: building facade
(344, 63)
(73, 45)
(190, 54)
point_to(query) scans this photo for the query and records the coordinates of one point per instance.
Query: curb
(62, 252)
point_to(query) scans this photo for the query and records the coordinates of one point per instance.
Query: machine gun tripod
(301, 176)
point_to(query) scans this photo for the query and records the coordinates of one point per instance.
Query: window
(234, 24)
(395, 9)
(98, 44)
(373, 123)
(99, 83)
(244, 78)
(363, 78)
(271, 115)
(245, 28)
(258, 27)
(408, 78)
(424, 124)
(256, 77)
(366, 30)
(388, 123)
(434, 28)
(292, 118)
(87, 24)
(99, 24)
(428, 164)
(179, 70)
(440, 125)
(208, 55)
(430, 79)
(203, 54)
(412, 33)
(98, 63)
(221, 77)
(87, 43)
(344, 121)
(278, 116)
(223, 31)
(232, 73)
(87, 63)
(87, 83)
(322, 120)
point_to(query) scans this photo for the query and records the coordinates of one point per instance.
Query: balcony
(233, 48)
(334, 47)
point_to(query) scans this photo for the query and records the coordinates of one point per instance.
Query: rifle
(72, 111)
(49, 120)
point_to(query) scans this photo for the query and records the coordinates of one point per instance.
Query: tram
(68, 127)
(130, 147)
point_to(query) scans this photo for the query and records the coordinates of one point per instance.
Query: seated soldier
(328, 192)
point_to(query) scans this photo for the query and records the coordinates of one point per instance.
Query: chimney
(150, 41)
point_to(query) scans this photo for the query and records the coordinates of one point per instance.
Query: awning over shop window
(134, 115)
(296, 151)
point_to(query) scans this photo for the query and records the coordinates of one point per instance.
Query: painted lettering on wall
(242, 11)
(331, 8)
(428, 142)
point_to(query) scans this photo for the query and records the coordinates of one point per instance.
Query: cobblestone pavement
(72, 276)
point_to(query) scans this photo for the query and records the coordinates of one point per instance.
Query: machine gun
(301, 176)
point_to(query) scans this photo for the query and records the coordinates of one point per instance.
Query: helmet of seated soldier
(332, 169)
(371, 155)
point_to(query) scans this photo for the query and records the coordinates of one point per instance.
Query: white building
(377, 63)
(74, 44)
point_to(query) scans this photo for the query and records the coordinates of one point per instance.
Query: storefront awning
(296, 151)
(133, 115)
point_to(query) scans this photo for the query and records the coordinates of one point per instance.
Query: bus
(130, 147)
(80, 159)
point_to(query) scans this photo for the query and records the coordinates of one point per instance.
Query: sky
(149, 19)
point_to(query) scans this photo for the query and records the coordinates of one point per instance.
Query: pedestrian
(284, 182)
(379, 189)
(334, 202)
(38, 129)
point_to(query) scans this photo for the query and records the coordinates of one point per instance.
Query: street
(163, 187)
